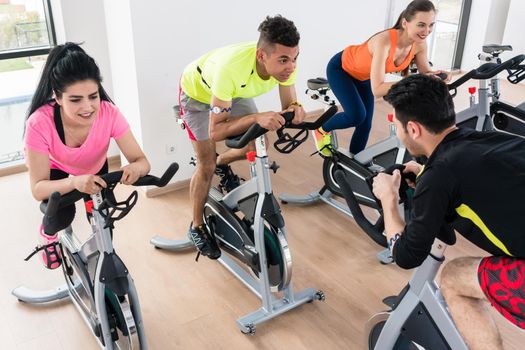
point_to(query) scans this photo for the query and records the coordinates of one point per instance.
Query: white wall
(142, 48)
(497, 20)
(515, 27)
(160, 37)
(489, 22)
(121, 54)
(477, 27)
(84, 21)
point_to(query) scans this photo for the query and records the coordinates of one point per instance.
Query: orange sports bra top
(357, 60)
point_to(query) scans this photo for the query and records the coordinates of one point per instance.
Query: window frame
(462, 34)
(17, 164)
(36, 50)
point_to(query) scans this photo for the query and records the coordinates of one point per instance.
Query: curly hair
(424, 99)
(278, 30)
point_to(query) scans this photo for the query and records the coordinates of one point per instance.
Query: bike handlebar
(57, 201)
(329, 113)
(485, 71)
(375, 231)
(256, 130)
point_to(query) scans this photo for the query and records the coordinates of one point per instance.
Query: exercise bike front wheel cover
(120, 310)
(278, 257)
(402, 342)
(280, 269)
(329, 168)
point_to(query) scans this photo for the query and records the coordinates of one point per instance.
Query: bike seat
(492, 48)
(317, 83)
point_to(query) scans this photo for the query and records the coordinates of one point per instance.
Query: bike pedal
(390, 301)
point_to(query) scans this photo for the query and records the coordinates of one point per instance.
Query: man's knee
(206, 157)
(206, 167)
(458, 275)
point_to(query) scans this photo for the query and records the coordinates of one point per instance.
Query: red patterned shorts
(502, 279)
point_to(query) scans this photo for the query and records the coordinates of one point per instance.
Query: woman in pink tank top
(357, 74)
(70, 122)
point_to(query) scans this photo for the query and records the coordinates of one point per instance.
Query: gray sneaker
(204, 242)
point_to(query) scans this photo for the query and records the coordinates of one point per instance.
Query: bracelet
(295, 103)
(392, 240)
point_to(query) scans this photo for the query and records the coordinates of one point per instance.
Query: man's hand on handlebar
(299, 113)
(270, 120)
(441, 74)
(386, 187)
(412, 167)
(89, 184)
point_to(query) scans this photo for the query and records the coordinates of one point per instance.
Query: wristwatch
(218, 110)
(391, 242)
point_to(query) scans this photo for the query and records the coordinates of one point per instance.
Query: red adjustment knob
(472, 90)
(251, 156)
(390, 118)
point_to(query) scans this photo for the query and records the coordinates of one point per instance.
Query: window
(26, 36)
(447, 40)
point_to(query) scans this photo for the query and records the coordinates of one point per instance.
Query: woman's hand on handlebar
(270, 120)
(89, 184)
(130, 174)
(412, 167)
(299, 113)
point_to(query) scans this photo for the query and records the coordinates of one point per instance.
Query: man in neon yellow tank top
(216, 101)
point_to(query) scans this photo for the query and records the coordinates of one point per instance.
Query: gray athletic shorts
(196, 115)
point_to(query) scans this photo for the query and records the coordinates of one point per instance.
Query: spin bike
(357, 168)
(97, 281)
(418, 316)
(249, 226)
(488, 112)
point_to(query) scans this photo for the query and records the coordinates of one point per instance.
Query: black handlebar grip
(441, 75)
(329, 113)
(150, 180)
(113, 177)
(242, 140)
(288, 117)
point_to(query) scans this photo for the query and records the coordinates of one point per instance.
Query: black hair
(65, 65)
(278, 30)
(424, 99)
(411, 10)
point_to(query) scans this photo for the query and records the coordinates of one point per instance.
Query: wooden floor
(189, 305)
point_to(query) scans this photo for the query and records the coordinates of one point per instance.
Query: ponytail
(398, 24)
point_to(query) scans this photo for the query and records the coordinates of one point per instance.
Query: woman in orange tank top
(357, 74)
